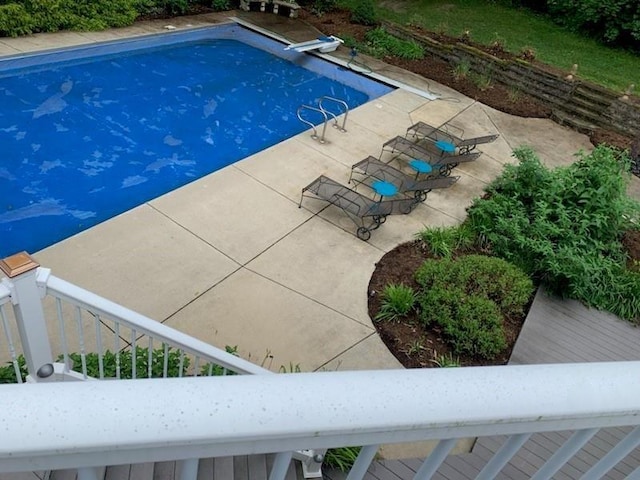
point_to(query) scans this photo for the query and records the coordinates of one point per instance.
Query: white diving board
(322, 44)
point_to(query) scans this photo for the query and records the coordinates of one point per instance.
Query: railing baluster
(572, 446)
(361, 465)
(134, 355)
(181, 364)
(99, 347)
(83, 358)
(12, 349)
(165, 365)
(63, 335)
(502, 456)
(280, 465)
(188, 469)
(150, 358)
(196, 366)
(210, 369)
(116, 347)
(617, 453)
(435, 459)
(88, 473)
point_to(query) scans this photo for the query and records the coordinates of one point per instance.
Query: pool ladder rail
(326, 114)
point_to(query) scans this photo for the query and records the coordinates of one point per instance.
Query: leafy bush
(220, 5)
(564, 226)
(32, 16)
(8, 372)
(15, 20)
(364, 13)
(175, 7)
(613, 21)
(469, 298)
(397, 301)
(381, 43)
(111, 363)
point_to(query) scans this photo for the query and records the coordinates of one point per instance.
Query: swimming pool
(89, 133)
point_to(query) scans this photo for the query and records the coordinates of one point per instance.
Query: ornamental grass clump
(397, 301)
(564, 226)
(469, 299)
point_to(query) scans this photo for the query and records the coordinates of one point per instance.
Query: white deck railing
(48, 424)
(180, 419)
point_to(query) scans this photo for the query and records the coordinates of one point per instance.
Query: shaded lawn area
(518, 29)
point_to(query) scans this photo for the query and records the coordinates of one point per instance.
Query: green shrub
(8, 372)
(15, 20)
(320, 7)
(613, 21)
(380, 43)
(469, 297)
(220, 5)
(564, 226)
(397, 301)
(364, 13)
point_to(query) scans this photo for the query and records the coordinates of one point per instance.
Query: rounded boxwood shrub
(469, 297)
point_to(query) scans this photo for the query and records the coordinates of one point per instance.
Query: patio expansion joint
(191, 232)
(336, 356)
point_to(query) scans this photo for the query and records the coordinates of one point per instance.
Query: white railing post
(21, 271)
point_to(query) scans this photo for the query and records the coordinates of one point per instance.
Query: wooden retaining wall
(577, 103)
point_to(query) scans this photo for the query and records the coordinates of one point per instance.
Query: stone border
(579, 104)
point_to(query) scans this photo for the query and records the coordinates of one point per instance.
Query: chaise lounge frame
(442, 164)
(366, 213)
(374, 168)
(424, 131)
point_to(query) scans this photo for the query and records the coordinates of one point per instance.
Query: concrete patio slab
(441, 111)
(140, 259)
(383, 117)
(270, 323)
(233, 212)
(330, 267)
(554, 144)
(369, 354)
(289, 166)
(454, 201)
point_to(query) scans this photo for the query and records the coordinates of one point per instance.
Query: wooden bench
(271, 5)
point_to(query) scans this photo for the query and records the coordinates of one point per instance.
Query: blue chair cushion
(445, 146)
(384, 188)
(420, 166)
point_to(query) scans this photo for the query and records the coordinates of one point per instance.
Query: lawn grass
(518, 29)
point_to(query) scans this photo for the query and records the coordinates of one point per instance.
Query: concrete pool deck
(232, 260)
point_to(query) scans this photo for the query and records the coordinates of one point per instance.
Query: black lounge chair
(357, 206)
(376, 169)
(426, 160)
(445, 140)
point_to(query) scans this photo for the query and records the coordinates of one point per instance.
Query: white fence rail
(77, 309)
(171, 419)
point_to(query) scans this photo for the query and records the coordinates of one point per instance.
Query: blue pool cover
(89, 133)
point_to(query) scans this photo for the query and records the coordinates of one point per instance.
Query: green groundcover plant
(564, 226)
(468, 298)
(122, 365)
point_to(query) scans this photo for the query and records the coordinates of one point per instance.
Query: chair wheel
(420, 195)
(379, 219)
(363, 233)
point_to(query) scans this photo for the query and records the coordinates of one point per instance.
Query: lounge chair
(358, 207)
(426, 160)
(376, 169)
(445, 140)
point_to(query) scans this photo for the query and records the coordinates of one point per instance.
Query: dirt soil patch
(418, 347)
